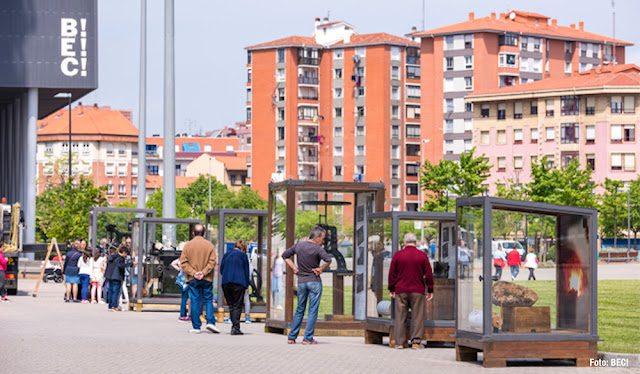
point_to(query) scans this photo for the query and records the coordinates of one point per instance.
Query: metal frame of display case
(498, 347)
(338, 325)
(258, 310)
(434, 330)
(96, 210)
(155, 303)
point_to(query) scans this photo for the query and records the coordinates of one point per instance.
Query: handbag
(498, 262)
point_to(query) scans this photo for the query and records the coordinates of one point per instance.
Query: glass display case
(526, 273)
(436, 237)
(223, 228)
(156, 243)
(112, 223)
(341, 208)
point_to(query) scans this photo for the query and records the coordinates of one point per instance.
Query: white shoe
(195, 331)
(212, 328)
(102, 302)
(93, 302)
(248, 320)
(279, 307)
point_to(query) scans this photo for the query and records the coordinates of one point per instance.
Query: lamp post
(67, 95)
(209, 182)
(628, 191)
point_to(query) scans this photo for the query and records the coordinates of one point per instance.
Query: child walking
(184, 289)
(97, 276)
(115, 274)
(531, 262)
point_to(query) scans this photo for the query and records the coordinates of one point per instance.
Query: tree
(635, 210)
(463, 178)
(612, 209)
(62, 211)
(567, 186)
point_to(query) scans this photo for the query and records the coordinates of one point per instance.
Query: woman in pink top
(3, 268)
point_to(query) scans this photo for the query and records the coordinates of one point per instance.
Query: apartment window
(134, 170)
(395, 72)
(134, 191)
(449, 103)
(568, 47)
(549, 106)
(412, 189)
(629, 133)
(448, 85)
(468, 41)
(121, 150)
(395, 151)
(534, 135)
(280, 75)
(485, 137)
(448, 126)
(359, 130)
(502, 163)
(85, 148)
(395, 132)
(449, 63)
(280, 55)
(122, 170)
(109, 149)
(281, 96)
(395, 112)
(248, 114)
(616, 133)
(248, 57)
(395, 191)
(153, 169)
(207, 148)
(338, 54)
(502, 111)
(413, 112)
(591, 161)
(248, 95)
(567, 67)
(338, 170)
(413, 72)
(501, 137)
(280, 153)
(623, 161)
(448, 42)
(249, 76)
(360, 169)
(551, 161)
(508, 39)
(337, 112)
(337, 132)
(360, 71)
(122, 189)
(359, 91)
(337, 73)
(74, 147)
(48, 148)
(534, 107)
(109, 188)
(508, 60)
(468, 83)
(507, 80)
(360, 150)
(395, 53)
(468, 107)
(591, 134)
(110, 169)
(413, 92)
(337, 93)
(550, 133)
(360, 111)
(569, 133)
(569, 105)
(518, 162)
(468, 62)
(308, 113)
(448, 147)
(534, 159)
(517, 136)
(395, 172)
(280, 133)
(517, 109)
(523, 43)
(629, 104)
(337, 151)
(152, 149)
(413, 170)
(395, 93)
(566, 157)
(413, 131)
(484, 113)
(413, 150)
(360, 51)
(281, 114)
(591, 106)
(468, 145)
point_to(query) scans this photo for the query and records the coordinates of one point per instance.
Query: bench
(618, 256)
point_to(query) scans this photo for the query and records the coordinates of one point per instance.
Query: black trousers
(234, 294)
(3, 292)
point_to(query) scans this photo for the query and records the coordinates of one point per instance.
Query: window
(468, 107)
(484, 113)
(280, 133)
(307, 112)
(134, 191)
(549, 106)
(534, 135)
(413, 92)
(395, 191)
(412, 189)
(75, 147)
(502, 111)
(110, 169)
(122, 189)
(337, 112)
(623, 161)
(413, 112)
(629, 133)
(523, 43)
(360, 169)
(249, 76)
(395, 112)
(508, 60)
(248, 114)
(360, 150)
(468, 62)
(412, 170)
(517, 109)
(395, 132)
(591, 134)
(360, 71)
(395, 172)
(502, 163)
(359, 91)
(448, 126)
(338, 54)
(468, 83)
(280, 153)
(507, 80)
(448, 147)
(616, 133)
(569, 105)
(468, 145)
(616, 104)
(395, 53)
(448, 85)
(337, 151)
(152, 149)
(449, 103)
(134, 170)
(448, 42)
(360, 51)
(508, 39)
(109, 189)
(281, 96)
(395, 72)
(337, 73)
(518, 162)
(359, 111)
(468, 41)
(501, 137)
(413, 150)
(551, 161)
(413, 72)
(122, 151)
(48, 148)
(395, 151)
(395, 93)
(248, 95)
(591, 161)
(550, 133)
(248, 57)
(122, 170)
(569, 133)
(591, 106)
(280, 55)
(567, 67)
(359, 130)
(109, 149)
(629, 104)
(449, 63)
(517, 136)
(337, 132)
(534, 107)
(337, 93)
(281, 114)
(485, 137)
(534, 159)
(567, 156)
(413, 131)
(338, 170)
(280, 75)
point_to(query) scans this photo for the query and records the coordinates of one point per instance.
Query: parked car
(507, 246)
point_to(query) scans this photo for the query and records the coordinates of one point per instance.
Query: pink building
(592, 116)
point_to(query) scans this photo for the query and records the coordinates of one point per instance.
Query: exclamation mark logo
(83, 45)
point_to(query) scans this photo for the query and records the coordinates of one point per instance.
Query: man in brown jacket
(198, 261)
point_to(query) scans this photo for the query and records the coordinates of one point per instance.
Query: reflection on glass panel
(213, 232)
(379, 301)
(278, 246)
(469, 258)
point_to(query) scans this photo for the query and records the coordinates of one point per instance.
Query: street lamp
(67, 95)
(628, 191)
(209, 182)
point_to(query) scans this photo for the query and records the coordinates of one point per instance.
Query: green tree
(62, 211)
(568, 186)
(613, 210)
(635, 209)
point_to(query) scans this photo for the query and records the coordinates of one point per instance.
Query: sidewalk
(44, 334)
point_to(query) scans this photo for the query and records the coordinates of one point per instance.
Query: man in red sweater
(409, 275)
(513, 260)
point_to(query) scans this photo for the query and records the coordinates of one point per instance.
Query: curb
(626, 360)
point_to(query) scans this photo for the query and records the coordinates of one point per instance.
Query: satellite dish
(512, 15)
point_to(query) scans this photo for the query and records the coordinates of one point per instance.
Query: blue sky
(210, 37)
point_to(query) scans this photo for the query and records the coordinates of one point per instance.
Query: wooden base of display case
(322, 328)
(526, 319)
(155, 305)
(374, 333)
(496, 353)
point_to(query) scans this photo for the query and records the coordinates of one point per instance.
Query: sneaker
(417, 346)
(236, 332)
(248, 320)
(66, 300)
(102, 302)
(399, 346)
(184, 319)
(227, 320)
(93, 302)
(75, 301)
(195, 331)
(212, 328)
(84, 302)
(118, 309)
(309, 342)
(291, 341)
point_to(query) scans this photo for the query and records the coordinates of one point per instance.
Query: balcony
(308, 61)
(413, 60)
(308, 97)
(307, 80)
(308, 139)
(307, 117)
(306, 159)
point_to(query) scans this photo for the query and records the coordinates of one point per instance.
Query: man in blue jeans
(309, 253)
(198, 261)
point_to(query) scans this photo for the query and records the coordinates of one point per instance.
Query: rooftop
(87, 121)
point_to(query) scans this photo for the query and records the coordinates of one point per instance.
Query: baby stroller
(53, 273)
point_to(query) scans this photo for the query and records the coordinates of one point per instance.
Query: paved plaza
(44, 334)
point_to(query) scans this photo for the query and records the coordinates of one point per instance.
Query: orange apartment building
(337, 106)
(491, 52)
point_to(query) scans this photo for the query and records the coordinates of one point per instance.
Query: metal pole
(31, 169)
(69, 140)
(142, 117)
(169, 154)
(209, 183)
(628, 222)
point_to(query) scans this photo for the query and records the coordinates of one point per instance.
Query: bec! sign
(73, 62)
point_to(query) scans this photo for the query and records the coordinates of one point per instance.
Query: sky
(210, 37)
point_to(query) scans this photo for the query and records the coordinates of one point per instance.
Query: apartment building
(104, 146)
(337, 106)
(591, 116)
(491, 52)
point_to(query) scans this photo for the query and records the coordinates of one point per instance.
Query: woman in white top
(84, 264)
(531, 262)
(98, 265)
